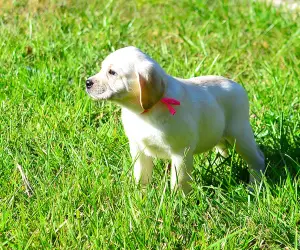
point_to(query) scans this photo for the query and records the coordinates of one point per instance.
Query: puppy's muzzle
(89, 83)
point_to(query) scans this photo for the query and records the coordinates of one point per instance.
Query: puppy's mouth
(99, 93)
(99, 96)
(105, 94)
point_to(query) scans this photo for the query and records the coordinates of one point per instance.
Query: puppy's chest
(154, 144)
(151, 138)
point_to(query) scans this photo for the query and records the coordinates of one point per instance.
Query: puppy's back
(231, 96)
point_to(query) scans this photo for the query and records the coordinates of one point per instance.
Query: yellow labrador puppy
(172, 118)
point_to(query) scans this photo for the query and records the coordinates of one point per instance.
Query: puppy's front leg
(181, 171)
(143, 165)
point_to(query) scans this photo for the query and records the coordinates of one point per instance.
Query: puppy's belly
(208, 144)
(211, 131)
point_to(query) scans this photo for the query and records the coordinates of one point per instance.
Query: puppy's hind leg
(246, 147)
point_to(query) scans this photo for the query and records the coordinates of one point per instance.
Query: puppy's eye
(112, 72)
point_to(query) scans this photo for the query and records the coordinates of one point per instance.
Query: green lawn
(76, 155)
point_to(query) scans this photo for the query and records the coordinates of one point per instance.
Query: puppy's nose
(89, 83)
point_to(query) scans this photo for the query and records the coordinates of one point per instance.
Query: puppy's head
(128, 75)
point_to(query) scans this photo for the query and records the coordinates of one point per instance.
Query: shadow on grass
(282, 160)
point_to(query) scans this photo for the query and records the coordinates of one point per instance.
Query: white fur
(213, 110)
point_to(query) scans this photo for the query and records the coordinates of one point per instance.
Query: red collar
(168, 102)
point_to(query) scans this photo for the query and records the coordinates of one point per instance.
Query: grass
(74, 151)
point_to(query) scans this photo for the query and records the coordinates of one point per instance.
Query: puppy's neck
(173, 89)
(132, 104)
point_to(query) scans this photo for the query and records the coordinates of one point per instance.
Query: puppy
(173, 118)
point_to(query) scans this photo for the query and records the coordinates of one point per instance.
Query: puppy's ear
(151, 86)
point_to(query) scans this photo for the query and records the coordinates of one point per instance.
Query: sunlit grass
(75, 153)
